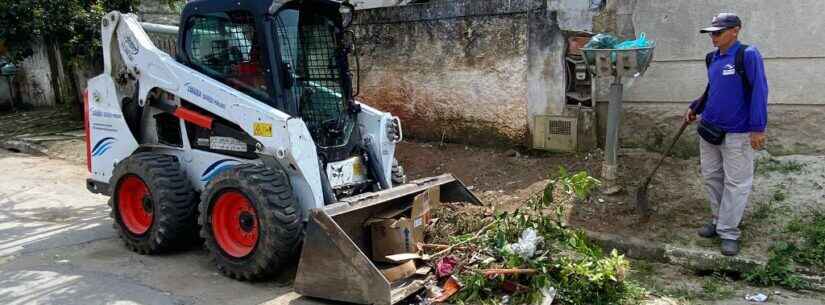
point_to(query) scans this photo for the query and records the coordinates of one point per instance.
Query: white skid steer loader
(250, 139)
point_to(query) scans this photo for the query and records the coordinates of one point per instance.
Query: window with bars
(309, 46)
(224, 45)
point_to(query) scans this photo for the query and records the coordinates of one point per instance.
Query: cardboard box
(400, 272)
(396, 231)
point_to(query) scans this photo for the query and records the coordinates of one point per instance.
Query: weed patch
(812, 244)
(780, 269)
(770, 165)
(775, 206)
(717, 287)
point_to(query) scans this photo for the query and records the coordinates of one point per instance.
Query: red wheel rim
(235, 224)
(135, 205)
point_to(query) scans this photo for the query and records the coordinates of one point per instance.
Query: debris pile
(479, 256)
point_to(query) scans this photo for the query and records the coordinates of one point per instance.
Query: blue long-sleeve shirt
(728, 105)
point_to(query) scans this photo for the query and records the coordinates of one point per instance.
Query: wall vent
(556, 133)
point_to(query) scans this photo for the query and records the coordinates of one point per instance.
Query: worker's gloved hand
(758, 140)
(690, 116)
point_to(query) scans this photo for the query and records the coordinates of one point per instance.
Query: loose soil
(505, 178)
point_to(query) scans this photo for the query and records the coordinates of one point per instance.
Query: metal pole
(614, 115)
(159, 28)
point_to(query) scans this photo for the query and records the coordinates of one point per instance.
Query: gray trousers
(728, 173)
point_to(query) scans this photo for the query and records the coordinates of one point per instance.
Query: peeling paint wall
(545, 65)
(452, 70)
(33, 81)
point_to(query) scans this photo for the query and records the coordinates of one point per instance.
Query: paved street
(57, 246)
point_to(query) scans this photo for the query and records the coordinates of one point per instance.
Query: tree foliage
(73, 25)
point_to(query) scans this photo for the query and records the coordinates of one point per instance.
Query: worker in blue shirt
(733, 119)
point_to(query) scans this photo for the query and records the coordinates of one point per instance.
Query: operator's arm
(697, 106)
(755, 68)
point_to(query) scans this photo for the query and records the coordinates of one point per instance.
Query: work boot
(708, 231)
(730, 247)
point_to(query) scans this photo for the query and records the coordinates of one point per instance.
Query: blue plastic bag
(641, 42)
(602, 41)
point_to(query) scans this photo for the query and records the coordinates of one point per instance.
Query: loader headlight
(394, 130)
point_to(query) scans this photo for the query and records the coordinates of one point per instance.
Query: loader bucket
(335, 261)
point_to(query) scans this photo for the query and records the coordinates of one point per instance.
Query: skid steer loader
(249, 138)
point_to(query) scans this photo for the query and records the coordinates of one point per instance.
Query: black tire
(279, 226)
(173, 221)
(398, 175)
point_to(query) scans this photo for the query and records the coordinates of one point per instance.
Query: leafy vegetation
(811, 248)
(716, 287)
(580, 184)
(579, 271)
(71, 26)
(770, 165)
(780, 269)
(74, 25)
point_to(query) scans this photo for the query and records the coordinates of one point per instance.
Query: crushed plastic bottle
(756, 297)
(527, 244)
(548, 294)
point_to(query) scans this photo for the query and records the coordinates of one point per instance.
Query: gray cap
(721, 22)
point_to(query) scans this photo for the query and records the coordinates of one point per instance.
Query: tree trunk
(56, 67)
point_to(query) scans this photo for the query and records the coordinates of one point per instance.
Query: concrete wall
(34, 79)
(368, 4)
(789, 34)
(155, 11)
(457, 70)
(465, 71)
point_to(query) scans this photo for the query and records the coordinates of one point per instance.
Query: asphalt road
(57, 246)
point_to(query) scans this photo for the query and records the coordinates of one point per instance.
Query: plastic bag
(641, 42)
(602, 41)
(548, 294)
(445, 266)
(527, 244)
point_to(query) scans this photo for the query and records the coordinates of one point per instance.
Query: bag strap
(704, 98)
(708, 59)
(739, 61)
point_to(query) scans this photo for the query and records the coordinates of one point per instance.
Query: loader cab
(287, 54)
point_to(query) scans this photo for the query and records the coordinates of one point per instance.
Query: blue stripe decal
(99, 143)
(216, 168)
(103, 150)
(216, 172)
(214, 165)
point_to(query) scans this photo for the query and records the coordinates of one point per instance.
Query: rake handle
(666, 153)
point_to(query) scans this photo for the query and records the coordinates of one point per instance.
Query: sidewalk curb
(24, 146)
(692, 259)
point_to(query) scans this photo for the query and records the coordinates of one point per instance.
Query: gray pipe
(159, 28)
(614, 115)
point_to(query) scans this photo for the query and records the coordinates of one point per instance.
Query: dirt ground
(505, 178)
(501, 179)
